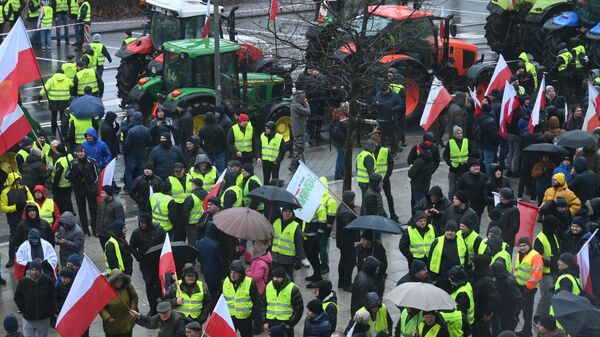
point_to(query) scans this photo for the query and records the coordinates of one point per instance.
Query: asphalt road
(469, 15)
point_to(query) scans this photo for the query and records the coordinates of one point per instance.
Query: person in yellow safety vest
(69, 68)
(43, 145)
(462, 292)
(271, 152)
(181, 186)
(242, 298)
(447, 251)
(251, 182)
(74, 12)
(233, 194)
(100, 53)
(235, 168)
(546, 244)
(283, 302)
(528, 274)
(568, 275)
(408, 322)
(456, 323)
(26, 146)
(48, 209)
(380, 320)
(192, 210)
(45, 22)
(88, 56)
(240, 140)
(58, 90)
(456, 155)
(128, 38)
(416, 240)
(84, 17)
(498, 252)
(514, 81)
(330, 206)
(164, 209)
(87, 78)
(471, 238)
(116, 249)
(531, 72)
(433, 325)
(61, 186)
(328, 300)
(78, 128)
(563, 69)
(287, 241)
(384, 165)
(61, 13)
(365, 166)
(33, 13)
(189, 296)
(12, 11)
(204, 171)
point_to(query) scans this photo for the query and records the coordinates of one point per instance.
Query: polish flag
(106, 176)
(437, 100)
(476, 102)
(220, 323)
(206, 29)
(274, 9)
(510, 102)
(592, 116)
(501, 74)
(89, 293)
(214, 191)
(166, 264)
(18, 66)
(540, 104)
(583, 260)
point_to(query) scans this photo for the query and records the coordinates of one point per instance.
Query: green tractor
(512, 27)
(188, 81)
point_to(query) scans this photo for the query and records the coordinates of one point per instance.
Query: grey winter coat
(299, 111)
(73, 235)
(456, 113)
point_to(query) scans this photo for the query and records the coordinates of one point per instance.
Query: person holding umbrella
(380, 321)
(287, 241)
(189, 296)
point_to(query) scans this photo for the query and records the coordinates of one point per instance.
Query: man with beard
(242, 298)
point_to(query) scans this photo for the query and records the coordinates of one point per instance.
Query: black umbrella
(87, 106)
(546, 148)
(576, 138)
(182, 254)
(274, 195)
(376, 223)
(576, 314)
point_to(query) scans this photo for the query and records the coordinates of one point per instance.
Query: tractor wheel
(594, 54)
(283, 123)
(128, 73)
(496, 33)
(551, 42)
(534, 36)
(416, 85)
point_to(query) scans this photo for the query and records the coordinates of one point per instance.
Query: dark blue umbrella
(87, 106)
(376, 223)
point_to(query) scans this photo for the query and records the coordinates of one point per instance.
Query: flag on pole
(89, 293)
(528, 216)
(592, 116)
(501, 74)
(476, 102)
(540, 104)
(214, 192)
(437, 100)
(206, 29)
(308, 190)
(323, 11)
(220, 323)
(273, 10)
(510, 101)
(166, 264)
(583, 260)
(106, 176)
(18, 66)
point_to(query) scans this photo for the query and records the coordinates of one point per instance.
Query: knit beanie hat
(67, 272)
(11, 324)
(567, 258)
(416, 266)
(348, 196)
(524, 240)
(462, 196)
(118, 227)
(279, 272)
(548, 322)
(108, 190)
(325, 287)
(248, 168)
(75, 260)
(451, 226)
(315, 306)
(418, 216)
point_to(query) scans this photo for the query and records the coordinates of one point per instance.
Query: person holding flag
(189, 297)
(168, 322)
(116, 320)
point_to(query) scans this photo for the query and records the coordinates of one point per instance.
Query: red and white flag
(18, 66)
(323, 11)
(273, 10)
(437, 100)
(215, 190)
(166, 264)
(220, 323)
(583, 260)
(510, 101)
(476, 102)
(501, 74)
(592, 116)
(106, 176)
(89, 293)
(540, 104)
(206, 29)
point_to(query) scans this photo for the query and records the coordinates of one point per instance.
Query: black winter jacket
(485, 295)
(212, 138)
(138, 137)
(475, 186)
(509, 296)
(373, 203)
(36, 299)
(420, 173)
(583, 183)
(441, 206)
(364, 282)
(164, 158)
(509, 222)
(318, 326)
(140, 190)
(83, 174)
(142, 239)
(33, 172)
(345, 238)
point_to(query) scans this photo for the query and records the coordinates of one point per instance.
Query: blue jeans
(487, 156)
(46, 38)
(339, 161)
(218, 160)
(35, 36)
(62, 20)
(133, 168)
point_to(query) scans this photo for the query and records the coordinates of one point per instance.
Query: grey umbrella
(422, 296)
(244, 223)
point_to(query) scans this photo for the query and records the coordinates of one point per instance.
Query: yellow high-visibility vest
(114, 242)
(208, 179)
(279, 305)
(243, 140)
(159, 204)
(62, 6)
(467, 289)
(86, 78)
(420, 245)
(178, 191)
(238, 300)
(81, 127)
(575, 285)
(270, 148)
(381, 162)
(436, 256)
(523, 269)
(48, 17)
(362, 175)
(192, 305)
(458, 156)
(283, 241)
(381, 323)
(547, 248)
(97, 48)
(238, 195)
(88, 14)
(47, 211)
